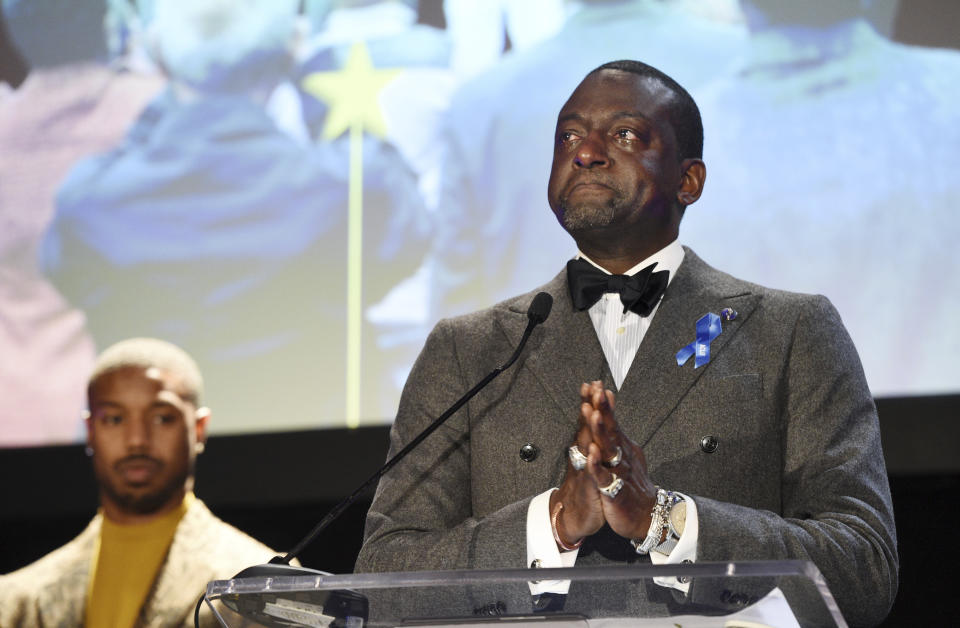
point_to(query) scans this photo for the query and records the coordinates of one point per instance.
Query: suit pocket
(717, 442)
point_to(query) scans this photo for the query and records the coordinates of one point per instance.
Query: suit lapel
(655, 383)
(65, 604)
(565, 351)
(179, 583)
(562, 352)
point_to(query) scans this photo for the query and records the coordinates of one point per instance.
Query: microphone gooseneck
(537, 313)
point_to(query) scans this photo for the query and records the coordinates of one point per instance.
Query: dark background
(278, 486)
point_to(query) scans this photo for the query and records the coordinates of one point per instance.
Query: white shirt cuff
(542, 549)
(685, 550)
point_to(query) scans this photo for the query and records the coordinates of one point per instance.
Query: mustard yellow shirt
(125, 565)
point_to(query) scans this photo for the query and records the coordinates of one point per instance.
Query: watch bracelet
(673, 536)
(659, 521)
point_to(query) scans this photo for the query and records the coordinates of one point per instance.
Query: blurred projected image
(211, 225)
(295, 191)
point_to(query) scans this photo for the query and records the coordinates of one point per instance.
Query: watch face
(678, 517)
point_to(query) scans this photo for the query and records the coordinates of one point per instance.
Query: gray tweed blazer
(798, 470)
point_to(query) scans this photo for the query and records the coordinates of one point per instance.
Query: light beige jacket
(51, 592)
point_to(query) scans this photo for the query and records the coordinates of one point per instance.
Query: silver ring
(577, 459)
(617, 457)
(613, 489)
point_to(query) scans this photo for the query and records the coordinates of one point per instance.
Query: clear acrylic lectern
(757, 594)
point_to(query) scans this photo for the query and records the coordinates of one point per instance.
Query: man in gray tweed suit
(741, 427)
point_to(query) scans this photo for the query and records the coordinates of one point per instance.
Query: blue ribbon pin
(708, 328)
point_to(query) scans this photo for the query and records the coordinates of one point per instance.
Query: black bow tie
(639, 293)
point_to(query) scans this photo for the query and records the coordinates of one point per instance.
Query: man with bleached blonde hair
(147, 555)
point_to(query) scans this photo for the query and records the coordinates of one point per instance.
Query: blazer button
(709, 444)
(492, 609)
(734, 599)
(528, 453)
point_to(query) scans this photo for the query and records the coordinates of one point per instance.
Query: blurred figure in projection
(212, 227)
(480, 30)
(77, 99)
(817, 86)
(497, 141)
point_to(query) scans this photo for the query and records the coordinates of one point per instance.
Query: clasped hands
(584, 508)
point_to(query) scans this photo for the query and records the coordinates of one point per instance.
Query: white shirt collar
(668, 258)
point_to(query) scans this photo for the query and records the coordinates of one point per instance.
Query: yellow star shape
(352, 93)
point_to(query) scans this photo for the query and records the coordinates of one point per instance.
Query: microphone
(537, 313)
(539, 309)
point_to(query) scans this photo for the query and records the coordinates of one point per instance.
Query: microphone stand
(538, 312)
(349, 603)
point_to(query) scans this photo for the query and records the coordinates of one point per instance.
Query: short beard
(146, 503)
(584, 216)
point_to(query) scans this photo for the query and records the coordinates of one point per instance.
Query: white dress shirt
(620, 334)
